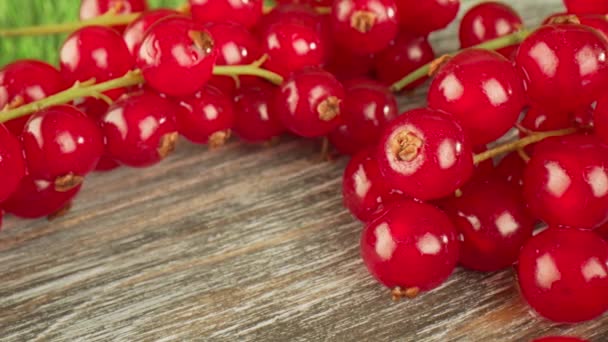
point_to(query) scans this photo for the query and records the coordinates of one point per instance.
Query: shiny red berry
(487, 21)
(90, 9)
(559, 339)
(295, 13)
(292, 47)
(425, 154)
(134, 33)
(511, 169)
(25, 81)
(537, 119)
(424, 17)
(365, 192)
(569, 60)
(235, 46)
(206, 117)
(310, 102)
(405, 54)
(482, 90)
(600, 118)
(598, 22)
(347, 65)
(411, 245)
(493, 222)
(566, 181)
(38, 198)
(61, 145)
(256, 118)
(140, 130)
(587, 6)
(244, 12)
(177, 56)
(563, 274)
(94, 52)
(368, 108)
(364, 26)
(12, 165)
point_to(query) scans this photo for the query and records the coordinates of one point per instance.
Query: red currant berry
(600, 118)
(244, 12)
(364, 191)
(493, 222)
(135, 32)
(569, 60)
(236, 46)
(539, 120)
(511, 169)
(177, 56)
(256, 119)
(140, 130)
(62, 145)
(309, 103)
(368, 107)
(425, 154)
(412, 245)
(94, 52)
(566, 181)
(292, 47)
(364, 26)
(598, 22)
(25, 81)
(346, 65)
(587, 6)
(559, 339)
(106, 164)
(487, 21)
(293, 13)
(90, 9)
(38, 198)
(563, 274)
(97, 108)
(424, 17)
(206, 117)
(406, 53)
(482, 90)
(12, 165)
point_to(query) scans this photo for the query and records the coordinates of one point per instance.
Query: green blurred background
(15, 13)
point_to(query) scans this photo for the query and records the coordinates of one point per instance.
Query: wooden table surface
(239, 244)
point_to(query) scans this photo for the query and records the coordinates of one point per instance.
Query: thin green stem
(249, 70)
(520, 144)
(495, 44)
(79, 90)
(89, 89)
(104, 20)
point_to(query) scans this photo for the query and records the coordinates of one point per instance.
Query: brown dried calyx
(406, 146)
(329, 108)
(167, 144)
(411, 292)
(363, 21)
(219, 138)
(16, 102)
(436, 64)
(202, 40)
(565, 19)
(68, 182)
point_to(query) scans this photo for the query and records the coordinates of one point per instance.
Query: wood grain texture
(245, 243)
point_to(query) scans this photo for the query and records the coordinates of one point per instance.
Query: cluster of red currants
(427, 200)
(429, 204)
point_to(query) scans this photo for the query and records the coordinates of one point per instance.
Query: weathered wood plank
(244, 243)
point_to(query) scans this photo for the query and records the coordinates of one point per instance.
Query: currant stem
(495, 44)
(520, 144)
(104, 20)
(249, 70)
(134, 77)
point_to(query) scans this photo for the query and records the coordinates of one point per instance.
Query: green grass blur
(16, 13)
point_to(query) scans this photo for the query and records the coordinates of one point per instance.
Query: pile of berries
(328, 69)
